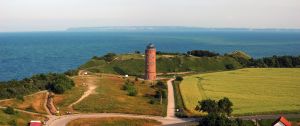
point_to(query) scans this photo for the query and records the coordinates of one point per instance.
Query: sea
(23, 54)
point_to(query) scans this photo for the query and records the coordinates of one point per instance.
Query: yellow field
(252, 90)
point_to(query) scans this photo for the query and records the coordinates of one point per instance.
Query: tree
(179, 78)
(229, 66)
(209, 106)
(225, 106)
(217, 113)
(161, 90)
(10, 110)
(109, 57)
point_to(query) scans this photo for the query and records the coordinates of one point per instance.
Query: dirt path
(171, 101)
(45, 104)
(91, 88)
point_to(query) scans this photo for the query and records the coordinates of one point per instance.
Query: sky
(49, 15)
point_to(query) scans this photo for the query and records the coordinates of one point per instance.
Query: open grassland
(109, 97)
(20, 119)
(133, 64)
(33, 103)
(62, 101)
(113, 121)
(252, 90)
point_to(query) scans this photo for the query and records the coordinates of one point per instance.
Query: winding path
(91, 89)
(169, 119)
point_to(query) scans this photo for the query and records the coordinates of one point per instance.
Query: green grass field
(133, 64)
(109, 97)
(113, 121)
(252, 90)
(62, 101)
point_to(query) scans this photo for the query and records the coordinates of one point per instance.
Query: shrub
(10, 110)
(71, 72)
(130, 88)
(179, 78)
(109, 57)
(229, 66)
(151, 101)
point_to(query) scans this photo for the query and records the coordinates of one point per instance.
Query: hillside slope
(133, 64)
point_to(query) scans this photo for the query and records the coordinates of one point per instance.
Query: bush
(229, 66)
(179, 78)
(9, 110)
(109, 57)
(151, 101)
(20, 97)
(130, 88)
(71, 72)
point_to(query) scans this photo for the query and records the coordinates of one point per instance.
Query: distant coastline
(170, 28)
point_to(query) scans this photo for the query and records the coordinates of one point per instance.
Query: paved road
(171, 101)
(63, 120)
(273, 116)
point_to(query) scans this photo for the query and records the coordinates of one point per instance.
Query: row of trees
(202, 53)
(107, 57)
(57, 83)
(274, 62)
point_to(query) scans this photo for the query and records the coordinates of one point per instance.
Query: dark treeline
(57, 83)
(169, 53)
(273, 62)
(202, 53)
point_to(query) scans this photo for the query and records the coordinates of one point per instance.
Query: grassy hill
(133, 64)
(252, 90)
(110, 97)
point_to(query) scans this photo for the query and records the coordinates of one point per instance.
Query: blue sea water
(24, 54)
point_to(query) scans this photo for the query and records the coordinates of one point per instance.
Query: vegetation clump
(9, 110)
(107, 57)
(218, 113)
(179, 78)
(202, 53)
(71, 72)
(161, 91)
(130, 88)
(57, 83)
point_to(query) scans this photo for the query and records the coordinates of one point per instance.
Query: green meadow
(252, 90)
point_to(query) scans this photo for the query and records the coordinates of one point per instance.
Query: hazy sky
(32, 15)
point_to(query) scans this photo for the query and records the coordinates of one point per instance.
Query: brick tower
(150, 62)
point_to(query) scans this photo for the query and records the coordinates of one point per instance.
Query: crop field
(252, 90)
(109, 97)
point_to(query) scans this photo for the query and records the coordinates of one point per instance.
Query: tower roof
(150, 46)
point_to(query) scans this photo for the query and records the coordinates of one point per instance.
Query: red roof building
(35, 123)
(281, 121)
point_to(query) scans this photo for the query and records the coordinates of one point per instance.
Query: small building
(35, 123)
(281, 121)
